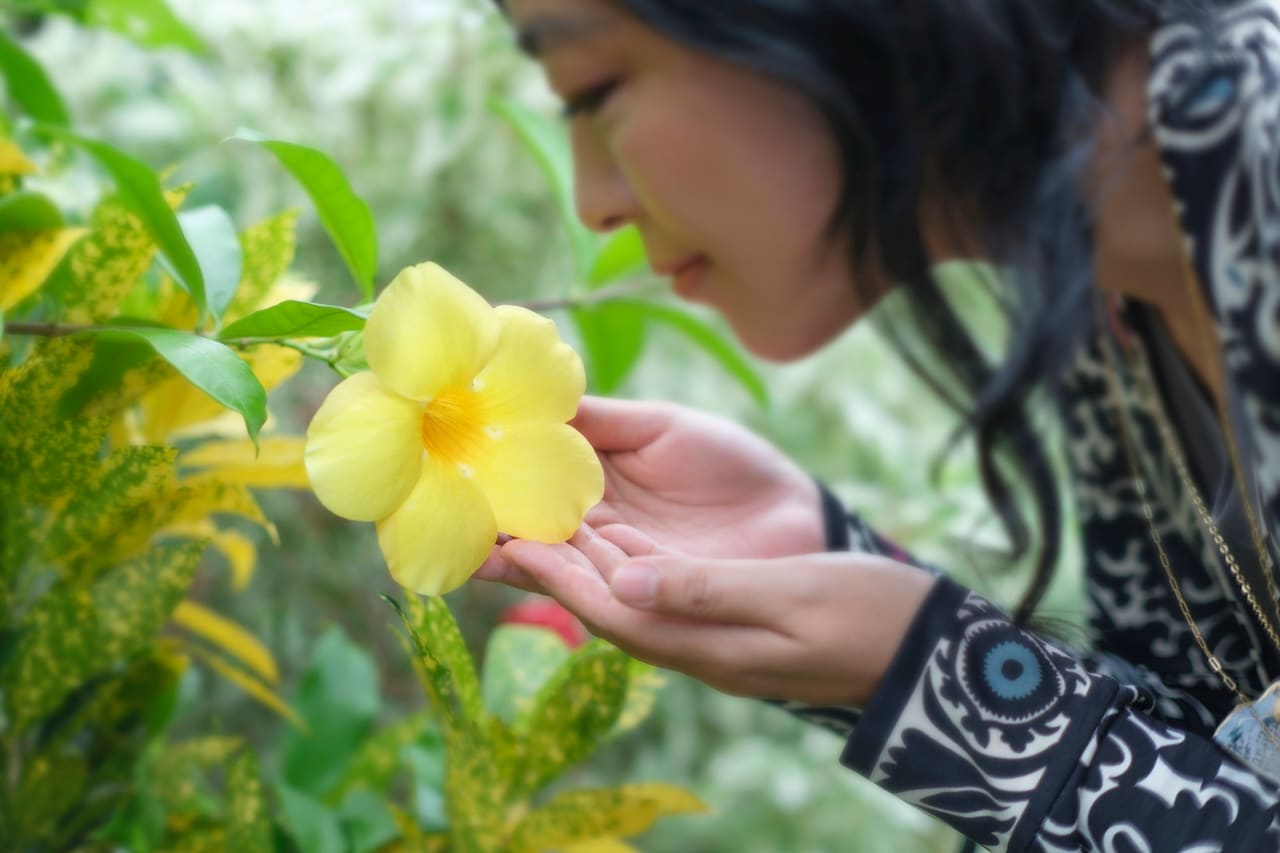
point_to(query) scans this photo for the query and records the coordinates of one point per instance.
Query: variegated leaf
(57, 652)
(268, 249)
(135, 599)
(41, 455)
(248, 821)
(578, 816)
(518, 660)
(28, 257)
(106, 265)
(178, 775)
(127, 480)
(572, 713)
(644, 682)
(438, 632)
(476, 791)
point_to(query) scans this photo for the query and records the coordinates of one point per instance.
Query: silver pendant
(1252, 733)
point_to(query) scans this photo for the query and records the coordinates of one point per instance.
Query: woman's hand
(694, 484)
(818, 628)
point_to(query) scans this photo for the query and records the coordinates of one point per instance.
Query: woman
(790, 163)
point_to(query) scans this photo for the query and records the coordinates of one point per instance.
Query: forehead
(542, 26)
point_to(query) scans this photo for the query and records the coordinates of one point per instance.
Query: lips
(686, 274)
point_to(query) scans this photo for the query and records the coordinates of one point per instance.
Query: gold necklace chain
(1205, 518)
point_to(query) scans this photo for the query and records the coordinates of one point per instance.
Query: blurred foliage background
(398, 92)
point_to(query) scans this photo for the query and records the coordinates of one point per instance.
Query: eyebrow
(544, 33)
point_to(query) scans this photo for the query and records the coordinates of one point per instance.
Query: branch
(49, 330)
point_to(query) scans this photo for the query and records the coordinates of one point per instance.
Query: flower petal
(363, 447)
(428, 332)
(540, 479)
(533, 375)
(441, 534)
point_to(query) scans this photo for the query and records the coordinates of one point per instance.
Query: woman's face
(730, 178)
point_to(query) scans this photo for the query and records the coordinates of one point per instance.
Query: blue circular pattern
(1007, 675)
(1011, 670)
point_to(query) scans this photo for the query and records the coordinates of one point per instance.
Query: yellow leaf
(599, 845)
(198, 496)
(13, 161)
(175, 407)
(238, 550)
(248, 684)
(279, 461)
(228, 636)
(589, 815)
(28, 257)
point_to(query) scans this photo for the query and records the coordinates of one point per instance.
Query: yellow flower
(457, 431)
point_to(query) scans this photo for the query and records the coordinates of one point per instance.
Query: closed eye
(590, 101)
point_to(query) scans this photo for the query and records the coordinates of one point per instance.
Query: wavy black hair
(984, 112)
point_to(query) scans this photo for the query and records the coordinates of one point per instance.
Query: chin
(781, 349)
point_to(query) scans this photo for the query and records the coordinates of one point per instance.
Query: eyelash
(590, 101)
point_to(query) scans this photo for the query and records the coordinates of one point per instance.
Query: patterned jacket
(1022, 745)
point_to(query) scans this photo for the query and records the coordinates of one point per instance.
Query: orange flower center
(452, 427)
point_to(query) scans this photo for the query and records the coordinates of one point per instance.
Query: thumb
(735, 591)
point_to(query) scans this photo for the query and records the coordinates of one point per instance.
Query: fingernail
(635, 584)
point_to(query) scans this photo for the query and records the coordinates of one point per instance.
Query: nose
(602, 193)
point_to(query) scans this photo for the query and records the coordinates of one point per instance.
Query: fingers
(620, 425)
(498, 569)
(741, 592)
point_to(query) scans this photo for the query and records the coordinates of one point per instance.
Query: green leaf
(571, 714)
(613, 335)
(714, 343)
(437, 631)
(293, 319)
(213, 238)
(49, 788)
(622, 254)
(311, 823)
(28, 211)
(379, 755)
(212, 367)
(248, 821)
(518, 660)
(343, 213)
(140, 191)
(546, 141)
(29, 85)
(150, 23)
(338, 697)
(367, 821)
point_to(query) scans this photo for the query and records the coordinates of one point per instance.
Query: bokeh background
(398, 92)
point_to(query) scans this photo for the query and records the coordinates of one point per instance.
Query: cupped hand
(816, 628)
(694, 484)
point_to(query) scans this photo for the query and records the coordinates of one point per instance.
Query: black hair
(985, 110)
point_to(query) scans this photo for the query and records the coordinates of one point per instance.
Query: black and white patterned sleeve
(1214, 107)
(1020, 747)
